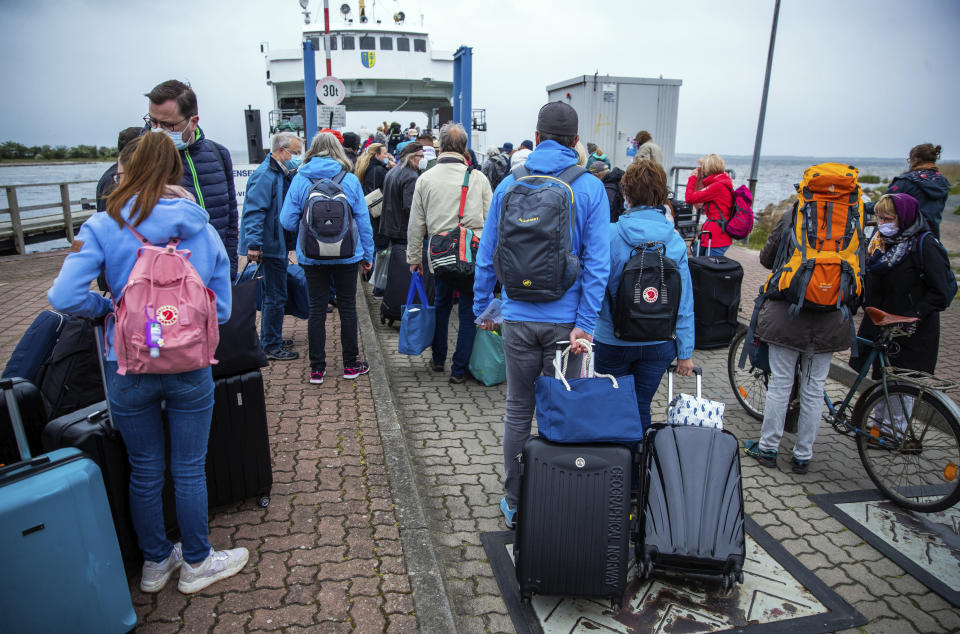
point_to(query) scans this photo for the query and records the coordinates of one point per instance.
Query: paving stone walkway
(384, 484)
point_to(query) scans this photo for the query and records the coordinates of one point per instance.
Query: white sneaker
(156, 574)
(218, 565)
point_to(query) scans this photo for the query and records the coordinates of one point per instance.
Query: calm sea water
(774, 182)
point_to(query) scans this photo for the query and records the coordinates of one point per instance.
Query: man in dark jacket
(108, 181)
(207, 166)
(262, 238)
(812, 338)
(611, 183)
(398, 189)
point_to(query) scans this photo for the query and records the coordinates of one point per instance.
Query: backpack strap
(570, 174)
(171, 242)
(521, 172)
(339, 177)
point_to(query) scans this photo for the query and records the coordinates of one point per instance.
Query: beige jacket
(436, 201)
(651, 151)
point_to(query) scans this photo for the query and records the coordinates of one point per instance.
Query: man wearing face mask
(263, 241)
(207, 167)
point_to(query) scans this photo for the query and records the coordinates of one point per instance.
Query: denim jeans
(443, 300)
(135, 408)
(320, 278)
(274, 272)
(529, 348)
(646, 363)
(813, 374)
(713, 251)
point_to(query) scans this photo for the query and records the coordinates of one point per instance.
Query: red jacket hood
(722, 178)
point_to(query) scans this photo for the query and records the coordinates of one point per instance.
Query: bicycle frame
(874, 353)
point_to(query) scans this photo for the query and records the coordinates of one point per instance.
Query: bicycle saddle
(883, 318)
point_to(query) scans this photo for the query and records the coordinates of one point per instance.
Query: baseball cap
(507, 147)
(557, 118)
(598, 167)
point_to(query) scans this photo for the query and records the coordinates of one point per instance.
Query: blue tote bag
(596, 408)
(418, 320)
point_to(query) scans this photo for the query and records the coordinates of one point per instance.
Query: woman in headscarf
(907, 274)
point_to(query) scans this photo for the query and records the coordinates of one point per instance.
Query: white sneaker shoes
(219, 564)
(156, 574)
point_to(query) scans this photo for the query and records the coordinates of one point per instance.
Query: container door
(636, 110)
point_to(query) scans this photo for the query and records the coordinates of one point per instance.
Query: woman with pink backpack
(170, 278)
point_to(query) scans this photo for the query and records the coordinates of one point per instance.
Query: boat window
(419, 45)
(386, 43)
(403, 43)
(333, 42)
(348, 43)
(367, 43)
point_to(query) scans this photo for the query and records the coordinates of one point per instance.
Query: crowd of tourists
(173, 186)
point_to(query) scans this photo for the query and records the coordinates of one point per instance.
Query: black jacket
(105, 186)
(930, 188)
(374, 176)
(611, 183)
(904, 291)
(397, 199)
(811, 331)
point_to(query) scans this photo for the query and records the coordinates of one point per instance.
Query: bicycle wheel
(918, 465)
(749, 385)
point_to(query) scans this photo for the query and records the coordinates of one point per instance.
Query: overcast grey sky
(850, 78)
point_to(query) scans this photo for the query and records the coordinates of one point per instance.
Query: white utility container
(613, 109)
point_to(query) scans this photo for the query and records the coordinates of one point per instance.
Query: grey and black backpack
(534, 259)
(328, 230)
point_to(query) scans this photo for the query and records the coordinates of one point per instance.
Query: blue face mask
(888, 229)
(176, 137)
(293, 163)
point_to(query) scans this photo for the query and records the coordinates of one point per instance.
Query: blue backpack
(328, 230)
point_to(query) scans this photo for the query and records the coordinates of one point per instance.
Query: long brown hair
(154, 165)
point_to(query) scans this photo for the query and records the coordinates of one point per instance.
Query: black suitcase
(716, 299)
(691, 504)
(398, 283)
(573, 526)
(33, 413)
(238, 452)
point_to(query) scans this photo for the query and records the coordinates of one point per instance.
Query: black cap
(557, 118)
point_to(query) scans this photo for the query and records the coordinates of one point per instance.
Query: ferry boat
(385, 64)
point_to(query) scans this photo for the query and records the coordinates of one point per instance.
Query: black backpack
(534, 259)
(70, 378)
(648, 298)
(496, 169)
(328, 230)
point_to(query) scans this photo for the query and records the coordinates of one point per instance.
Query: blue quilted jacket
(210, 180)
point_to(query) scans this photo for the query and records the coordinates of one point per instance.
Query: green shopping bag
(487, 364)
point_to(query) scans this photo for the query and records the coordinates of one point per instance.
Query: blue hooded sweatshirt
(591, 241)
(321, 167)
(637, 226)
(102, 244)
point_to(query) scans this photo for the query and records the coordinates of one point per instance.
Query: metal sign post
(755, 165)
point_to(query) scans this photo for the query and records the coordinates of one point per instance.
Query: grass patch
(952, 173)
(871, 179)
(765, 221)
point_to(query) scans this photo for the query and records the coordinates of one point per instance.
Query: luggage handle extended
(13, 409)
(99, 335)
(671, 370)
(561, 359)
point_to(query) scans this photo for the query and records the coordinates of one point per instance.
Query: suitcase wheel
(264, 501)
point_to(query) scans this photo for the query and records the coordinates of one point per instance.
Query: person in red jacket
(711, 189)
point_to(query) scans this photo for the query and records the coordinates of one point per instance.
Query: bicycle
(907, 430)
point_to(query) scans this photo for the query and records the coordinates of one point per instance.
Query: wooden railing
(22, 230)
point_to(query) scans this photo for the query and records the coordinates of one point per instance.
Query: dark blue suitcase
(35, 346)
(62, 565)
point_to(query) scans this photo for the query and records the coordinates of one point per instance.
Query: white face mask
(888, 229)
(423, 163)
(176, 137)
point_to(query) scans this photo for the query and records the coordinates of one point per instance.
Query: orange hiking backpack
(820, 262)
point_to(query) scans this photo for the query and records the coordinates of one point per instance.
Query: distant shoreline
(34, 162)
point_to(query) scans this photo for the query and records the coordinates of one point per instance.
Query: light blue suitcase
(62, 570)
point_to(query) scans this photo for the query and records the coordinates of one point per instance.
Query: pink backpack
(166, 319)
(740, 223)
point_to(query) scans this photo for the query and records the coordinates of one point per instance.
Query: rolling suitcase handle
(670, 372)
(99, 334)
(13, 408)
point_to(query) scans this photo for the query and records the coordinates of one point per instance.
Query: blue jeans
(443, 300)
(713, 251)
(135, 408)
(647, 364)
(274, 302)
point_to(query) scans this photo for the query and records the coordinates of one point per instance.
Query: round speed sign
(330, 91)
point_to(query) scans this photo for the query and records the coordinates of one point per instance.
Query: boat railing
(21, 228)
